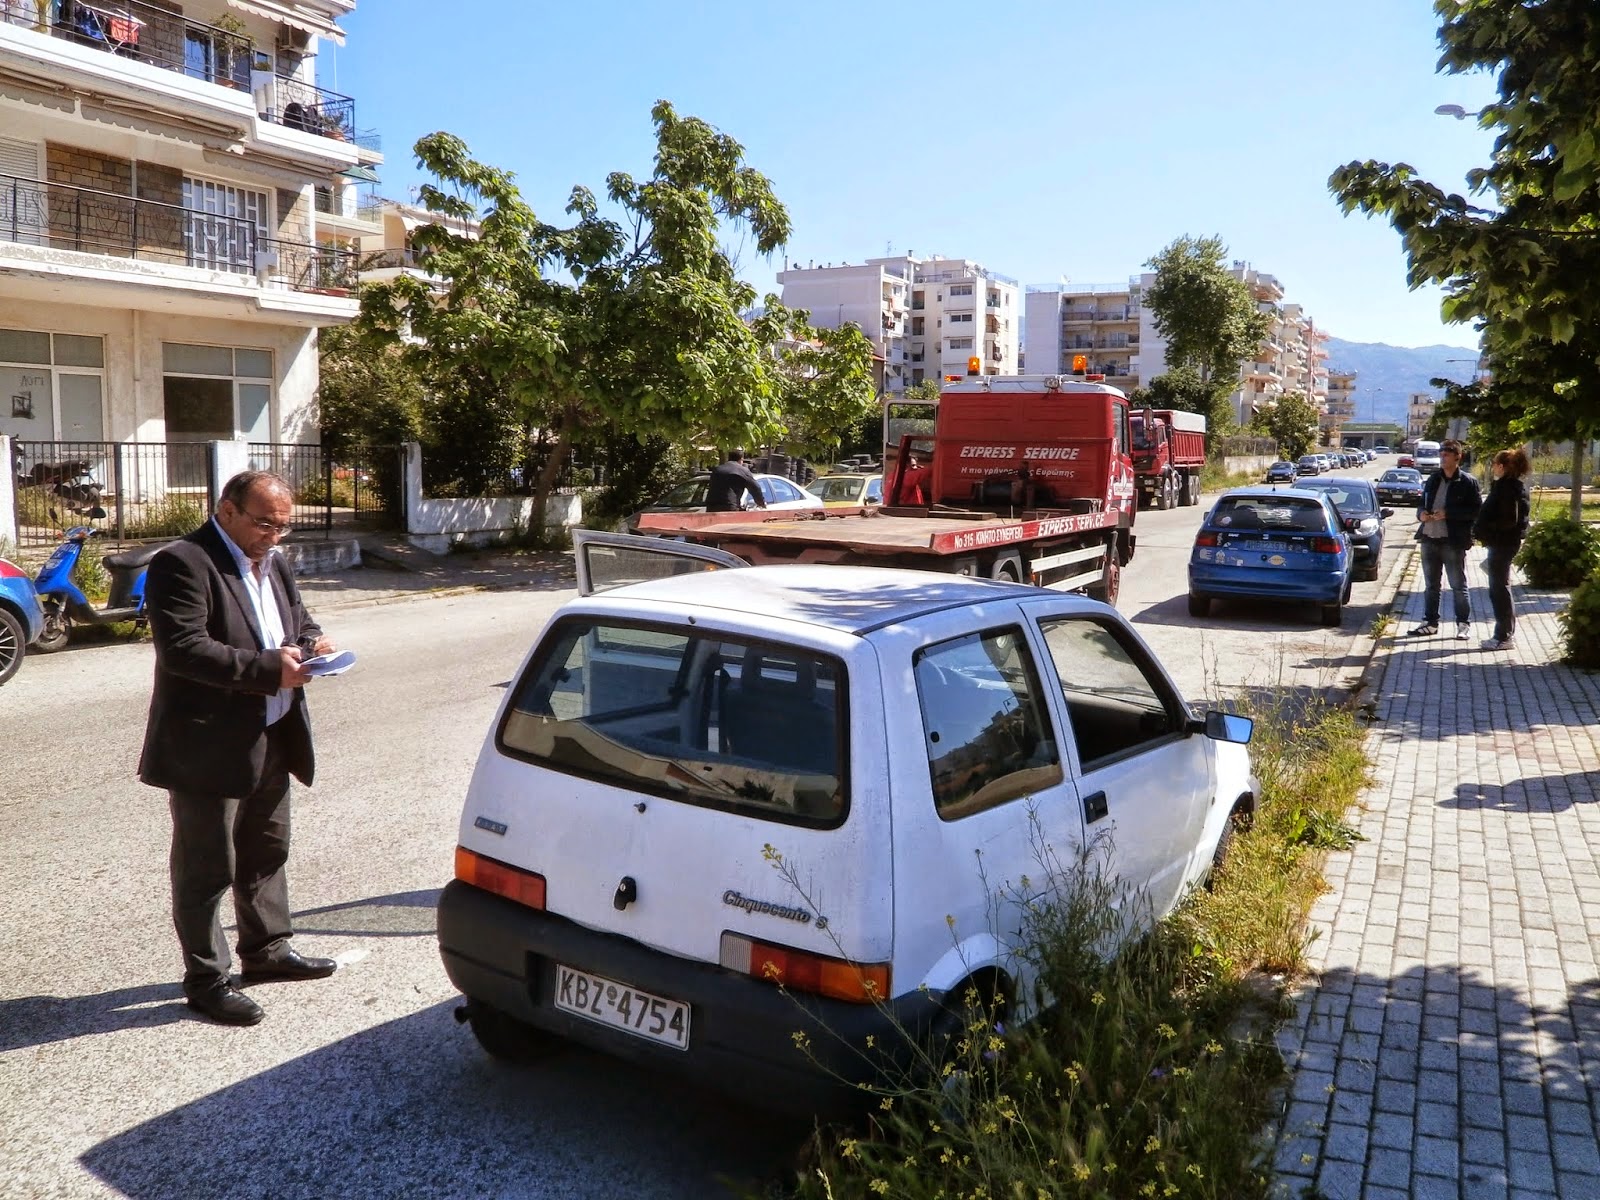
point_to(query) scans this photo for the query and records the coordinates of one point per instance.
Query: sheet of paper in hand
(330, 664)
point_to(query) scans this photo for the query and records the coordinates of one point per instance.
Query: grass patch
(1215, 478)
(1154, 1074)
(1554, 502)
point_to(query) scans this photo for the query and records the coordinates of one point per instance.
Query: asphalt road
(364, 1084)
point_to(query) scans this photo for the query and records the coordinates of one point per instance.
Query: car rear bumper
(1320, 587)
(742, 1031)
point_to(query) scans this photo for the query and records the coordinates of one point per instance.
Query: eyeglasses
(267, 526)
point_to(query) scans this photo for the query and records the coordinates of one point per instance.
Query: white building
(1105, 324)
(177, 196)
(1419, 412)
(926, 317)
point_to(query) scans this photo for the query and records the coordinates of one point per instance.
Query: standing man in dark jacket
(1501, 525)
(728, 480)
(227, 728)
(1450, 503)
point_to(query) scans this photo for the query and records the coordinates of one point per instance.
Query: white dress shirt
(264, 602)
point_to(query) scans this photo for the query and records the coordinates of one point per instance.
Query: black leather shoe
(289, 965)
(225, 1003)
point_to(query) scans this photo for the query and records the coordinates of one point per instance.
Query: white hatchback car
(900, 741)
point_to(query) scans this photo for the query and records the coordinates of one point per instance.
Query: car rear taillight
(503, 880)
(1325, 545)
(1205, 539)
(10, 570)
(803, 971)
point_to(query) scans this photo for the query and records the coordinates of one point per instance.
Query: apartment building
(926, 317)
(179, 207)
(1104, 323)
(1419, 412)
(1341, 406)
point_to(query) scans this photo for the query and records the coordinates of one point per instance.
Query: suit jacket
(208, 711)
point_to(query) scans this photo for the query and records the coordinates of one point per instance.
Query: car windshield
(1402, 475)
(1270, 512)
(1351, 501)
(1309, 459)
(753, 727)
(688, 494)
(836, 487)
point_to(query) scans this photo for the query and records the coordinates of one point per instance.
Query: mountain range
(1387, 375)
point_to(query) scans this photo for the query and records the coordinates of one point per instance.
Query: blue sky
(1044, 139)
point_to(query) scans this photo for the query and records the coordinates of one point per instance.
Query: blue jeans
(1439, 555)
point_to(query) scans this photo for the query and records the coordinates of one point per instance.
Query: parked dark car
(1400, 486)
(1284, 544)
(1356, 502)
(1310, 464)
(1282, 472)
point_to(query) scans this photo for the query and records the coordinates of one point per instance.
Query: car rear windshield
(687, 494)
(1351, 501)
(752, 727)
(1282, 513)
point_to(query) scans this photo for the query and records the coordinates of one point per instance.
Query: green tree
(365, 395)
(1292, 420)
(631, 324)
(1522, 267)
(1210, 322)
(1182, 389)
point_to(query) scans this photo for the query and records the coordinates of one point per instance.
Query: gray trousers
(221, 845)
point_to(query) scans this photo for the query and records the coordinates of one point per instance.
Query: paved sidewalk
(1450, 1046)
(392, 570)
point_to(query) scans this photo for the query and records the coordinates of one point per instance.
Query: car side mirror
(1350, 523)
(1386, 513)
(1229, 727)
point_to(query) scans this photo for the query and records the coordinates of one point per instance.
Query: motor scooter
(65, 604)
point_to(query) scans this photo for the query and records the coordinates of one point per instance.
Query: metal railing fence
(130, 491)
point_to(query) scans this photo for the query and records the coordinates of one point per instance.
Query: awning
(293, 16)
(362, 174)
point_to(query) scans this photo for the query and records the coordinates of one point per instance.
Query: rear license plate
(607, 1002)
(1245, 546)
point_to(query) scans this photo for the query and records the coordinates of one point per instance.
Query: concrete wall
(133, 399)
(439, 525)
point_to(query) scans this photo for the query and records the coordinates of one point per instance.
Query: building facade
(925, 317)
(179, 208)
(1341, 408)
(1105, 324)
(1419, 412)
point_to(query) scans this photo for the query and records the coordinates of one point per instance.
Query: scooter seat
(137, 557)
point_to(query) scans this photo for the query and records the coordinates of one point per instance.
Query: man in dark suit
(728, 480)
(227, 728)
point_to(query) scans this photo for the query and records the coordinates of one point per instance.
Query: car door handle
(1095, 807)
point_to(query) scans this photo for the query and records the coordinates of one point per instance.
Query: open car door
(611, 560)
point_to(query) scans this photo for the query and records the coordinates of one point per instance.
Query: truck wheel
(13, 645)
(1110, 585)
(1174, 490)
(505, 1037)
(1190, 494)
(1199, 605)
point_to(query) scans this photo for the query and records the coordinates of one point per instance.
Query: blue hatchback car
(1272, 544)
(21, 618)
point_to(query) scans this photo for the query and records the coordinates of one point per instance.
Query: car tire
(13, 645)
(504, 1037)
(1332, 615)
(1239, 821)
(1199, 605)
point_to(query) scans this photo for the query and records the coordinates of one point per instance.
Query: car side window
(875, 491)
(1116, 703)
(985, 727)
(785, 491)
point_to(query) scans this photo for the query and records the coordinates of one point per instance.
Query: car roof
(847, 599)
(1318, 485)
(1268, 493)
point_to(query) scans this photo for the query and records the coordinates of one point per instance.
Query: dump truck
(1169, 449)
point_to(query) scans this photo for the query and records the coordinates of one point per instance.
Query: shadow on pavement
(1540, 794)
(413, 1108)
(1437, 1078)
(41, 1020)
(403, 914)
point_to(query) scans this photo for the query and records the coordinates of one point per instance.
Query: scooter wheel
(57, 632)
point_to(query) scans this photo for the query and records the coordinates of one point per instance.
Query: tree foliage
(1292, 421)
(631, 323)
(1521, 265)
(1210, 322)
(1182, 389)
(365, 396)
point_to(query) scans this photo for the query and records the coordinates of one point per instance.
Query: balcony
(159, 37)
(59, 217)
(1079, 315)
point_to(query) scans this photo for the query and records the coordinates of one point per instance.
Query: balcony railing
(162, 38)
(143, 33)
(93, 222)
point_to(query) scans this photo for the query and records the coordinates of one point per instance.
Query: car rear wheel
(1199, 605)
(1332, 614)
(13, 645)
(506, 1038)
